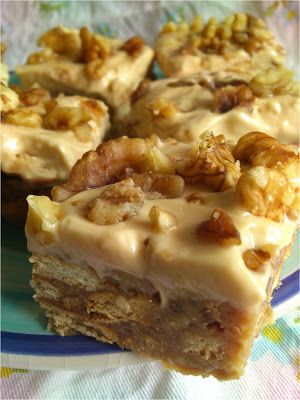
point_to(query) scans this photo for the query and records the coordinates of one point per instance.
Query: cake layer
(190, 333)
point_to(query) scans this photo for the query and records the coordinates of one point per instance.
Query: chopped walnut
(237, 30)
(162, 107)
(140, 91)
(34, 96)
(64, 118)
(83, 132)
(42, 56)
(23, 117)
(265, 192)
(255, 258)
(213, 164)
(94, 46)
(9, 99)
(230, 96)
(219, 228)
(133, 46)
(116, 203)
(159, 185)
(195, 197)
(260, 149)
(162, 221)
(62, 41)
(157, 162)
(274, 82)
(94, 108)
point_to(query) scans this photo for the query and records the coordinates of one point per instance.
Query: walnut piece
(42, 56)
(274, 82)
(255, 258)
(260, 149)
(162, 221)
(65, 118)
(133, 46)
(104, 165)
(159, 185)
(23, 117)
(265, 192)
(213, 164)
(9, 99)
(34, 96)
(195, 197)
(162, 108)
(94, 46)
(230, 96)
(157, 162)
(219, 228)
(62, 41)
(116, 203)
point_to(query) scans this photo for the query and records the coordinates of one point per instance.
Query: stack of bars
(169, 238)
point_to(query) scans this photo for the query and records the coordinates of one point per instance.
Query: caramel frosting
(185, 49)
(192, 237)
(44, 155)
(110, 72)
(184, 108)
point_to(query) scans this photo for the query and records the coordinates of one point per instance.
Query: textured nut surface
(116, 203)
(42, 56)
(9, 99)
(162, 107)
(265, 192)
(162, 221)
(94, 46)
(260, 149)
(159, 185)
(62, 41)
(219, 228)
(34, 96)
(64, 118)
(157, 162)
(133, 46)
(229, 97)
(23, 117)
(195, 197)
(273, 81)
(255, 258)
(213, 164)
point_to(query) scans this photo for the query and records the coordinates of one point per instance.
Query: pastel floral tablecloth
(273, 369)
(272, 373)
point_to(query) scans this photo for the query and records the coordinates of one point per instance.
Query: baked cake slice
(233, 102)
(168, 249)
(240, 40)
(42, 138)
(80, 62)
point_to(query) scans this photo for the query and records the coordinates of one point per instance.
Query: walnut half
(229, 96)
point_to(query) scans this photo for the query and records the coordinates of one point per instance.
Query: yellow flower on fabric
(273, 333)
(7, 372)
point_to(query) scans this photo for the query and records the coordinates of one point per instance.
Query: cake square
(168, 249)
(240, 40)
(80, 62)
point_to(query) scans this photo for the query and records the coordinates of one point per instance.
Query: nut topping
(23, 117)
(162, 107)
(212, 165)
(219, 228)
(265, 192)
(255, 258)
(116, 203)
(162, 221)
(133, 46)
(229, 97)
